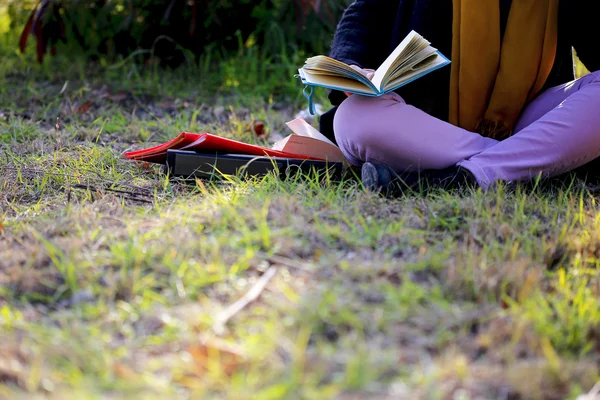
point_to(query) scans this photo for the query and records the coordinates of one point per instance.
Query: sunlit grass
(119, 295)
(113, 277)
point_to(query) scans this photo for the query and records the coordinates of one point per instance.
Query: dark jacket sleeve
(363, 35)
(585, 33)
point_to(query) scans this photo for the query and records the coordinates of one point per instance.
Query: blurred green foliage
(175, 30)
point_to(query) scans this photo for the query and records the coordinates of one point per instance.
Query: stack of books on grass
(204, 155)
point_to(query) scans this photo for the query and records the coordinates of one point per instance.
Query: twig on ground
(594, 394)
(248, 298)
(288, 262)
(99, 179)
(124, 193)
(109, 181)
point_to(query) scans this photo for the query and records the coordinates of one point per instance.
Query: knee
(348, 120)
(348, 128)
(353, 126)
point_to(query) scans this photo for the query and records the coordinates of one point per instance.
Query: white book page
(280, 144)
(302, 128)
(412, 73)
(331, 68)
(379, 76)
(415, 63)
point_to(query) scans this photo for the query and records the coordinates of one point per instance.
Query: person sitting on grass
(503, 111)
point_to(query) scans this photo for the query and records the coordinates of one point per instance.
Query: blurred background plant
(249, 46)
(171, 31)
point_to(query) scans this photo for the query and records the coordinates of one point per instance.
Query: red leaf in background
(42, 43)
(328, 17)
(38, 30)
(298, 10)
(27, 29)
(302, 9)
(82, 109)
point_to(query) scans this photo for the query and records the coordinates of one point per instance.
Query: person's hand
(364, 71)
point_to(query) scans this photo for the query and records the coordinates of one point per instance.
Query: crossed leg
(557, 132)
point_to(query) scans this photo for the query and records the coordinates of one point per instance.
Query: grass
(115, 282)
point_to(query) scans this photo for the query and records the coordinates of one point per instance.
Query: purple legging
(557, 132)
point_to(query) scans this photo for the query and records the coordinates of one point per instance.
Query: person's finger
(368, 73)
(357, 69)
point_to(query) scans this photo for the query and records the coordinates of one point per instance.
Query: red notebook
(207, 142)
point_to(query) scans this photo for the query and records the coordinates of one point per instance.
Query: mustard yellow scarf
(493, 78)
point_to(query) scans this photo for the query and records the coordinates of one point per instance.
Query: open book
(309, 142)
(412, 59)
(306, 144)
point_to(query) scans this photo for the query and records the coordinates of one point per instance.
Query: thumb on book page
(369, 73)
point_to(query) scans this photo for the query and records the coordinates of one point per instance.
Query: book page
(310, 147)
(412, 44)
(419, 61)
(336, 82)
(327, 64)
(322, 65)
(194, 143)
(418, 69)
(280, 144)
(408, 64)
(302, 128)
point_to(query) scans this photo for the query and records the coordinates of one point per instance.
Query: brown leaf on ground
(216, 352)
(124, 371)
(82, 109)
(258, 128)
